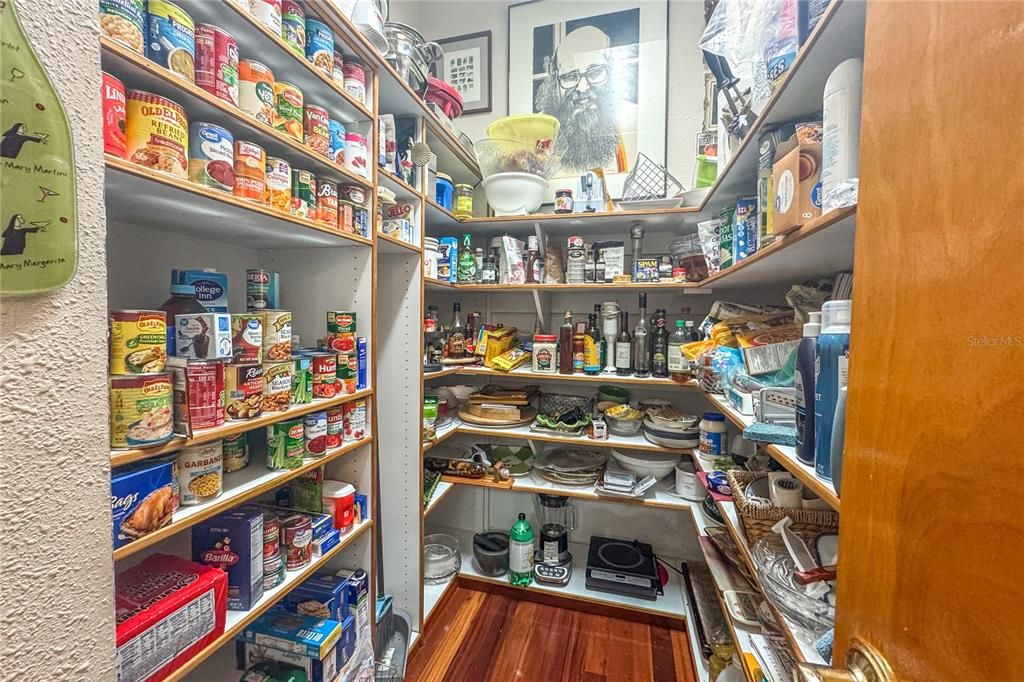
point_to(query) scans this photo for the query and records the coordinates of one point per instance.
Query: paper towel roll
(787, 492)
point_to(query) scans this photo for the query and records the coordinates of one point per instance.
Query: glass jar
(563, 201)
(463, 201)
(545, 353)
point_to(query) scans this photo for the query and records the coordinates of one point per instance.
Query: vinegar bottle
(565, 340)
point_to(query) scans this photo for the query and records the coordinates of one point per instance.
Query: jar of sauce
(545, 353)
(463, 207)
(563, 201)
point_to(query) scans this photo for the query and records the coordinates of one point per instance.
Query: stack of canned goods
(141, 393)
(273, 561)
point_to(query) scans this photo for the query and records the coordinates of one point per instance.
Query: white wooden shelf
(525, 373)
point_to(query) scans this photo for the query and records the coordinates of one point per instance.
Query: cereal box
(233, 541)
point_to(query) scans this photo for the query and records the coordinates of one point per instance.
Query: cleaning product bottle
(840, 132)
(804, 384)
(829, 377)
(520, 553)
(838, 436)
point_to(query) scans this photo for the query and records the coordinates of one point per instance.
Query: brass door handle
(865, 665)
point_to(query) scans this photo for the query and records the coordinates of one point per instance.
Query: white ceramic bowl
(657, 464)
(515, 193)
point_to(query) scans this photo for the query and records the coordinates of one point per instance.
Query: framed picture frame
(466, 66)
(602, 70)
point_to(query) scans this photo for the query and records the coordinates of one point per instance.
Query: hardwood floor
(483, 635)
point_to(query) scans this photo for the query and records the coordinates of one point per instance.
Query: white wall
(56, 580)
(446, 18)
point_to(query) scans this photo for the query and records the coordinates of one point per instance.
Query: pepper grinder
(637, 233)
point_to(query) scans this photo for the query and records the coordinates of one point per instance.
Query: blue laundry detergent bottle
(829, 377)
(806, 355)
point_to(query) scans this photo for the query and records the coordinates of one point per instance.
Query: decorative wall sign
(466, 65)
(38, 227)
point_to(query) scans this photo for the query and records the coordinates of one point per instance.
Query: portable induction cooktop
(625, 567)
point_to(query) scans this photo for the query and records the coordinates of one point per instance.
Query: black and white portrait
(600, 69)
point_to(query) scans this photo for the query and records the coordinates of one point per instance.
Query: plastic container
(804, 384)
(714, 435)
(444, 191)
(840, 147)
(338, 498)
(830, 376)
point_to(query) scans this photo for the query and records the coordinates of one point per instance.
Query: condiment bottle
(532, 261)
(565, 334)
(182, 302)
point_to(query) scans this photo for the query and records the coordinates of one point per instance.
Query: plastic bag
(735, 31)
(707, 232)
(780, 38)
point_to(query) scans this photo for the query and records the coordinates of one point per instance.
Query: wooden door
(932, 532)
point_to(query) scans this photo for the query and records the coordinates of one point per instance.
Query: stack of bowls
(671, 429)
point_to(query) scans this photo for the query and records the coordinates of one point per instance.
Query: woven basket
(758, 517)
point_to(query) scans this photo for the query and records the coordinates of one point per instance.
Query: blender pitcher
(556, 517)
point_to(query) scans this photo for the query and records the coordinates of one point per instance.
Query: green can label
(302, 380)
(285, 445)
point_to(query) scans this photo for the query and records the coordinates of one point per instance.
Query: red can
(271, 535)
(335, 427)
(112, 92)
(217, 62)
(348, 372)
(327, 203)
(325, 375)
(250, 172)
(297, 538)
(317, 126)
(204, 393)
(355, 421)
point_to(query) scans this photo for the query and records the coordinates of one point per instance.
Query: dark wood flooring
(488, 635)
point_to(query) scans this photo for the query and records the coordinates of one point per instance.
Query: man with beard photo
(579, 90)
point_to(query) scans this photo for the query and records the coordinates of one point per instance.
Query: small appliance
(625, 567)
(553, 562)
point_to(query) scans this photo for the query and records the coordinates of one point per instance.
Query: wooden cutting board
(529, 414)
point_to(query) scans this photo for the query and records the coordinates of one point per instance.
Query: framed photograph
(466, 65)
(600, 68)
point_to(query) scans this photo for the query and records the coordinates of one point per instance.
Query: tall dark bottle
(642, 342)
(659, 346)
(592, 347)
(623, 347)
(456, 344)
(565, 338)
(806, 354)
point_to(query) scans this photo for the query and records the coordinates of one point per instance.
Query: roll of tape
(787, 492)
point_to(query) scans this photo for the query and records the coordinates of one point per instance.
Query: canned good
(250, 171)
(338, 70)
(277, 335)
(271, 535)
(303, 194)
(256, 90)
(171, 38)
(288, 109)
(315, 434)
(324, 367)
(341, 322)
(355, 153)
(124, 21)
(114, 123)
(355, 81)
(211, 156)
(302, 380)
(156, 136)
(236, 453)
(268, 12)
(342, 341)
(273, 571)
(345, 217)
(320, 46)
(175, 488)
(285, 445)
(138, 341)
(260, 289)
(353, 194)
(293, 25)
(337, 142)
(217, 62)
(244, 391)
(277, 386)
(361, 365)
(279, 184)
(141, 412)
(200, 472)
(348, 372)
(327, 203)
(317, 128)
(246, 338)
(297, 539)
(335, 427)
(355, 421)
(199, 394)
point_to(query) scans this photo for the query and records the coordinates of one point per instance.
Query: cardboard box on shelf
(233, 542)
(796, 177)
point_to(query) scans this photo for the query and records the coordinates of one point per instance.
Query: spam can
(211, 156)
(141, 410)
(171, 39)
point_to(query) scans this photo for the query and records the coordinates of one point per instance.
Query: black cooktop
(623, 567)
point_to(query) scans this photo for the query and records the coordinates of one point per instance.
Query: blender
(553, 563)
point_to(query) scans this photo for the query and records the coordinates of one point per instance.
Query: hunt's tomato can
(335, 427)
(317, 126)
(325, 379)
(327, 203)
(217, 62)
(114, 123)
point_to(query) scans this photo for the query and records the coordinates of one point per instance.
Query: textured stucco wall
(56, 586)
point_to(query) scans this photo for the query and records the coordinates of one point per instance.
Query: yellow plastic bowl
(528, 128)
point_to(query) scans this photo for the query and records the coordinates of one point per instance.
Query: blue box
(326, 589)
(326, 543)
(362, 508)
(293, 632)
(745, 229)
(146, 488)
(361, 363)
(346, 647)
(248, 654)
(233, 542)
(211, 287)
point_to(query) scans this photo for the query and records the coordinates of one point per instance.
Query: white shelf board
(524, 433)
(432, 594)
(442, 489)
(526, 373)
(657, 496)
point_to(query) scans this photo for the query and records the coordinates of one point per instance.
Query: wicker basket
(758, 517)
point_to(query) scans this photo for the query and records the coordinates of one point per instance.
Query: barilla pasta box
(233, 542)
(141, 499)
(304, 635)
(325, 595)
(211, 287)
(167, 609)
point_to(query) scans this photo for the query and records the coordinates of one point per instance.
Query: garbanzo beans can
(141, 410)
(157, 133)
(124, 21)
(250, 171)
(288, 112)
(138, 341)
(200, 472)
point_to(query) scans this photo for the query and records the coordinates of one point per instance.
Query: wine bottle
(642, 342)
(623, 347)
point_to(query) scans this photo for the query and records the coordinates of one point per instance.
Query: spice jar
(545, 353)
(563, 201)
(463, 201)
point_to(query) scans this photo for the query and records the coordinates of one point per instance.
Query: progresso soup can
(293, 25)
(250, 171)
(157, 133)
(141, 410)
(124, 21)
(217, 62)
(211, 156)
(303, 194)
(320, 46)
(114, 122)
(256, 90)
(171, 39)
(279, 185)
(337, 142)
(288, 114)
(317, 128)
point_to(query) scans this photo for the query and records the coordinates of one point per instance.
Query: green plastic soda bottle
(520, 553)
